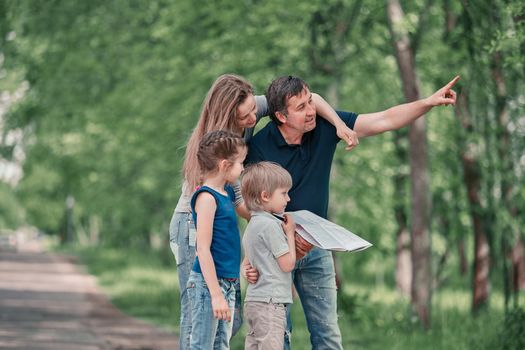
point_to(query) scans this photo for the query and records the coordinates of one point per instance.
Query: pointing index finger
(452, 82)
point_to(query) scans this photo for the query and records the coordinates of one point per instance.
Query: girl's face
(236, 166)
(246, 111)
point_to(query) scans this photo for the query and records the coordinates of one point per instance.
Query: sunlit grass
(372, 316)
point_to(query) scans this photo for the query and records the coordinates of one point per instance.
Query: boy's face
(278, 200)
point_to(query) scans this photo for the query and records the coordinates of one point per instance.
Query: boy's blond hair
(259, 177)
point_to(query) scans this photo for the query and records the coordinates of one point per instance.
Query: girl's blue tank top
(226, 241)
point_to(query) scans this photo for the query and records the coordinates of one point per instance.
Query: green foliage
(115, 88)
(11, 212)
(112, 102)
(513, 333)
(45, 208)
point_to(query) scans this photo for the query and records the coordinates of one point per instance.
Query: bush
(513, 334)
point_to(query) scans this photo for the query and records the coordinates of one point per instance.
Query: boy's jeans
(314, 279)
(207, 332)
(184, 252)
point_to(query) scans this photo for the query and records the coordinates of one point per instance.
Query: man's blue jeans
(314, 280)
(207, 332)
(183, 248)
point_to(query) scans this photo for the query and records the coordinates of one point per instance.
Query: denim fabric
(184, 252)
(238, 316)
(314, 279)
(208, 332)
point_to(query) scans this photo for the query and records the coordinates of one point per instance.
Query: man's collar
(276, 135)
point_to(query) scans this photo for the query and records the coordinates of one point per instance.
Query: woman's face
(246, 113)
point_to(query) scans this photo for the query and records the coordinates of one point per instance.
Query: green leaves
(115, 88)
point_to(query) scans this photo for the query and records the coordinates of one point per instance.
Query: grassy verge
(144, 284)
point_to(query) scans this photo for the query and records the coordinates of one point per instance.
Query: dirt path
(48, 302)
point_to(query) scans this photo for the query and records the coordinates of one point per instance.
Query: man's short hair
(279, 91)
(259, 177)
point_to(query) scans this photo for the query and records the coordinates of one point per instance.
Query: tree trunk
(403, 261)
(403, 256)
(472, 178)
(421, 269)
(463, 265)
(481, 283)
(507, 185)
(518, 266)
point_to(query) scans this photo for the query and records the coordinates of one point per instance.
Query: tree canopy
(112, 89)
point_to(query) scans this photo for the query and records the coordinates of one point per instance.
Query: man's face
(300, 114)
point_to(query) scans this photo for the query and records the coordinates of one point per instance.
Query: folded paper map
(325, 234)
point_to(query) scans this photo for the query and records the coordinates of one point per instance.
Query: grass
(372, 316)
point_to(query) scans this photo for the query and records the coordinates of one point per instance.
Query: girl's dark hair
(216, 146)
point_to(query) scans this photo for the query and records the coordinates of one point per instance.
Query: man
(305, 146)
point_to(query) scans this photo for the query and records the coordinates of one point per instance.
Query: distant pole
(70, 204)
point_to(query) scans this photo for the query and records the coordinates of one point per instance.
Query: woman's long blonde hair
(219, 112)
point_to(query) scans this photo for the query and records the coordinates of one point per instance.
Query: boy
(265, 188)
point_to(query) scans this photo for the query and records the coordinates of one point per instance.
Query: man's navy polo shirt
(309, 163)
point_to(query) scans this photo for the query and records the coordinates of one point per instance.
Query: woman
(231, 106)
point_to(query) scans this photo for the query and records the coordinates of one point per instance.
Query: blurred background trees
(99, 97)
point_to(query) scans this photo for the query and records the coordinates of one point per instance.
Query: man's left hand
(302, 246)
(347, 135)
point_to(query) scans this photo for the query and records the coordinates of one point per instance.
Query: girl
(211, 285)
(229, 105)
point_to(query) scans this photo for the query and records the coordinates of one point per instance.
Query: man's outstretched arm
(401, 115)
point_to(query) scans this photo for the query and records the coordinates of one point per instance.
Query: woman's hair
(219, 112)
(216, 146)
(259, 177)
